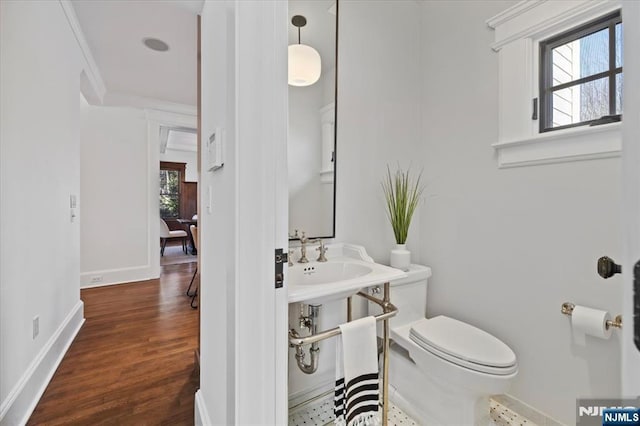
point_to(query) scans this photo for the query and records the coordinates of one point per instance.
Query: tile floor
(321, 413)
(501, 415)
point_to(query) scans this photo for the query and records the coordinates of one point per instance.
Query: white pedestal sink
(348, 270)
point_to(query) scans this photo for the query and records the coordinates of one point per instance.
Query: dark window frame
(180, 168)
(546, 70)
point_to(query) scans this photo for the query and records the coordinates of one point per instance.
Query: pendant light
(304, 60)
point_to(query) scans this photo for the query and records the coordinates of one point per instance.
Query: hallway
(133, 360)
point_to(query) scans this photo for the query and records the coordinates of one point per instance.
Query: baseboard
(116, 276)
(323, 383)
(402, 403)
(23, 398)
(201, 415)
(516, 412)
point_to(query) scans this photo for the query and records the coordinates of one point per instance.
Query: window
(581, 75)
(170, 180)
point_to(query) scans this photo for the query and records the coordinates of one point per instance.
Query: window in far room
(581, 75)
(171, 177)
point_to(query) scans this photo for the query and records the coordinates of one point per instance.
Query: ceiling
(179, 140)
(114, 31)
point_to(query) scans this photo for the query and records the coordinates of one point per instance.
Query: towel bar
(388, 311)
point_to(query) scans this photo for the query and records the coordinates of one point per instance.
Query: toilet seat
(464, 345)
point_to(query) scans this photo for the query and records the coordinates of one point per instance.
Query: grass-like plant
(402, 193)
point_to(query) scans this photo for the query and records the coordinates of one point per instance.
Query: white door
(244, 218)
(631, 193)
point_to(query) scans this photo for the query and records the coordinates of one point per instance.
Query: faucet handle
(323, 250)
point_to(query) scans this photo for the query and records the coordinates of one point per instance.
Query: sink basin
(317, 273)
(316, 283)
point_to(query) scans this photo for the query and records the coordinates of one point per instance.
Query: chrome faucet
(303, 248)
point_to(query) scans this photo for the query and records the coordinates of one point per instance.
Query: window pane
(169, 181)
(619, 82)
(619, 45)
(581, 58)
(169, 206)
(169, 193)
(582, 102)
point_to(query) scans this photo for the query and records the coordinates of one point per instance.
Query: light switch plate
(215, 150)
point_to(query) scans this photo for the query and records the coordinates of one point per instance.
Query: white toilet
(442, 370)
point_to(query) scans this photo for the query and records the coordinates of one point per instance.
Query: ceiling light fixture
(304, 61)
(155, 44)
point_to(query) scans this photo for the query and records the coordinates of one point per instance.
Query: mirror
(312, 119)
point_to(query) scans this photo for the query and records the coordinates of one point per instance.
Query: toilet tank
(409, 295)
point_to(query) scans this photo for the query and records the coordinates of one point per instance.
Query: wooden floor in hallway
(132, 362)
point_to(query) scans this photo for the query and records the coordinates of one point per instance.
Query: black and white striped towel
(356, 403)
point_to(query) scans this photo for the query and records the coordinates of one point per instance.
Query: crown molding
(171, 119)
(555, 15)
(89, 64)
(145, 103)
(512, 12)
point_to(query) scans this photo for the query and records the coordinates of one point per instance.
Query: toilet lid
(464, 344)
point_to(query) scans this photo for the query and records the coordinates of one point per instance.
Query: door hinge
(534, 114)
(280, 259)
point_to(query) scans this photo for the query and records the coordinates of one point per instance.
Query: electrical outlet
(96, 279)
(36, 326)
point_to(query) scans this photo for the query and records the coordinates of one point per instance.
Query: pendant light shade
(304, 61)
(304, 65)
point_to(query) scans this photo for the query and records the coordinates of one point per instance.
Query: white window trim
(518, 31)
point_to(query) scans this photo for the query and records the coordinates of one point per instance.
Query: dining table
(186, 223)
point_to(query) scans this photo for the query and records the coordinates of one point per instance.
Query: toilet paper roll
(588, 321)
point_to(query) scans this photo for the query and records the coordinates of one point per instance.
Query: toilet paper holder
(567, 309)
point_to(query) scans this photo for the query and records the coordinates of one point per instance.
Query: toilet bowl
(443, 369)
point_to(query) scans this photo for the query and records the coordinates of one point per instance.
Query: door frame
(155, 120)
(243, 358)
(631, 193)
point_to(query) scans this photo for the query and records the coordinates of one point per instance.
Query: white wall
(379, 117)
(115, 189)
(190, 158)
(40, 168)
(508, 247)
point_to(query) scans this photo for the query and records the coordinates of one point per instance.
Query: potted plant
(402, 194)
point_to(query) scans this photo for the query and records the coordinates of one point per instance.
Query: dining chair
(166, 234)
(194, 295)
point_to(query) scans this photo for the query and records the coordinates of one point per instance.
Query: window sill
(561, 146)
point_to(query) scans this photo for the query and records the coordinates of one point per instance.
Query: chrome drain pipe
(309, 321)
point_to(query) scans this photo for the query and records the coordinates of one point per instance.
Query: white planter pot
(400, 257)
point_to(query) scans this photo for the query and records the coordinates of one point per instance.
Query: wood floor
(133, 361)
(173, 255)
